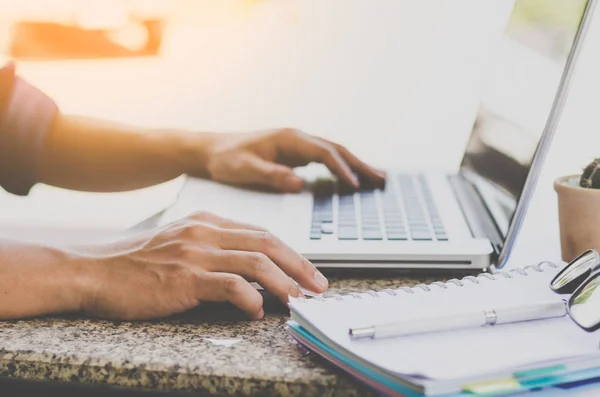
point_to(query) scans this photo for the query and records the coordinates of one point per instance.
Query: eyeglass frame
(575, 286)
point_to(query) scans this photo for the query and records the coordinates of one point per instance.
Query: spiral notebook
(481, 358)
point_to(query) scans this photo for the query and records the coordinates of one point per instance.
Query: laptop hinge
(478, 217)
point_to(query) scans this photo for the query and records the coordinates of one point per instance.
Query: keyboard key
(396, 228)
(324, 187)
(372, 235)
(396, 231)
(395, 225)
(441, 236)
(325, 201)
(322, 218)
(419, 229)
(315, 234)
(371, 229)
(347, 233)
(345, 189)
(370, 214)
(327, 228)
(370, 221)
(397, 236)
(418, 235)
(346, 213)
(395, 217)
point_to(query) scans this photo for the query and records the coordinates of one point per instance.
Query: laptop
(431, 220)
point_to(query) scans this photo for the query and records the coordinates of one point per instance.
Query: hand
(264, 159)
(197, 259)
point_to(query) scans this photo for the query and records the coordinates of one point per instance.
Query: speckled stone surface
(175, 355)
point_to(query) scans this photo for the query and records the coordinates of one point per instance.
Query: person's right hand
(198, 259)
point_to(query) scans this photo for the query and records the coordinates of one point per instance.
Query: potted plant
(579, 210)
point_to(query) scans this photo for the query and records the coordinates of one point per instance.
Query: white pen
(477, 318)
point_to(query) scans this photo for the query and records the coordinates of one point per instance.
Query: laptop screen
(525, 75)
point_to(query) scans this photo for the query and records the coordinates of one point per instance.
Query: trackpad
(257, 208)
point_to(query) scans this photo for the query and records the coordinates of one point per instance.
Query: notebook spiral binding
(460, 283)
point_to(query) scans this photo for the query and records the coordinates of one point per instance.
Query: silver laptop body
(430, 220)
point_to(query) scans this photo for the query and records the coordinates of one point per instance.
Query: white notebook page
(452, 354)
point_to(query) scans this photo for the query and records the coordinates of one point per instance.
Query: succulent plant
(590, 178)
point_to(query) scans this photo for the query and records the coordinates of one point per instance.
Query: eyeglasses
(581, 279)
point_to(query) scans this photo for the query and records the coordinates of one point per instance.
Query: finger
(292, 263)
(314, 149)
(256, 170)
(224, 287)
(375, 175)
(224, 223)
(253, 266)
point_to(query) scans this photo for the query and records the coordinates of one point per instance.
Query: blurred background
(397, 81)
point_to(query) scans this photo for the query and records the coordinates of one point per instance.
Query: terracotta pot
(578, 215)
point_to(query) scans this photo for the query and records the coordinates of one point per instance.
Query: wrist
(192, 150)
(37, 280)
(67, 281)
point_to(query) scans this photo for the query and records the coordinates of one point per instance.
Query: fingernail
(321, 280)
(297, 291)
(299, 294)
(261, 314)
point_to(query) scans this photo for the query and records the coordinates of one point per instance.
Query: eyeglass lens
(575, 272)
(584, 305)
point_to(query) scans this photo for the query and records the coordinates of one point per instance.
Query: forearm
(93, 155)
(37, 280)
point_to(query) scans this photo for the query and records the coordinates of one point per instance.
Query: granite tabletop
(212, 350)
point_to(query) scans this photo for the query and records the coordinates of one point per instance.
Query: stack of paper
(499, 359)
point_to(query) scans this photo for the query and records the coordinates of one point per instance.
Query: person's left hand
(265, 159)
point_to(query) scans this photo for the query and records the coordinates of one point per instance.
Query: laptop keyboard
(404, 210)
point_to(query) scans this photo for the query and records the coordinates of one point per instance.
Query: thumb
(270, 174)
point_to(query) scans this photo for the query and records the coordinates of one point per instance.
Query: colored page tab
(539, 372)
(492, 386)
